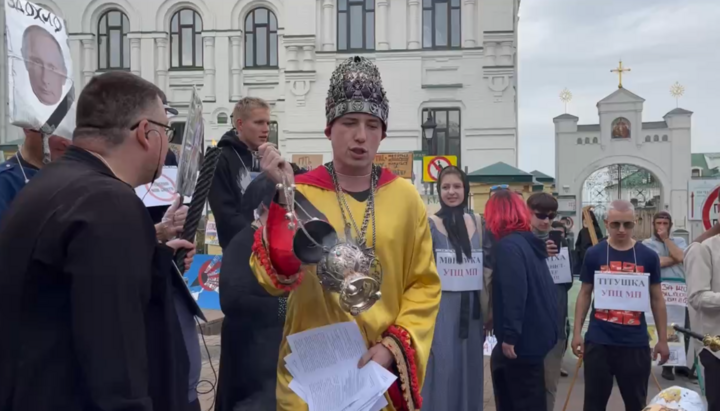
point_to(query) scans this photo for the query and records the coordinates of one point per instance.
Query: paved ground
(575, 404)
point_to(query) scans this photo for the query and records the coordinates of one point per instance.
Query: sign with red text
(460, 276)
(559, 266)
(622, 291)
(675, 293)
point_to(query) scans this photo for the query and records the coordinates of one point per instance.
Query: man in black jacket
(238, 166)
(92, 319)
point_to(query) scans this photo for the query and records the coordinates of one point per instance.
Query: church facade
(456, 59)
(653, 159)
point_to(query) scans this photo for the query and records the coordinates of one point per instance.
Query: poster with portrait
(40, 86)
(191, 150)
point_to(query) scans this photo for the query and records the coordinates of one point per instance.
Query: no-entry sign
(710, 209)
(432, 165)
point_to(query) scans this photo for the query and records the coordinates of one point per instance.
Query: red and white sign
(436, 166)
(710, 209)
(698, 192)
(162, 191)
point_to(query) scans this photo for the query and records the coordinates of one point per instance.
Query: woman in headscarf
(253, 324)
(454, 376)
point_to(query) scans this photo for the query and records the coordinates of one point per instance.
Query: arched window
(186, 49)
(587, 140)
(261, 41)
(579, 140)
(356, 25)
(664, 137)
(656, 138)
(595, 140)
(222, 118)
(441, 24)
(647, 139)
(113, 43)
(273, 135)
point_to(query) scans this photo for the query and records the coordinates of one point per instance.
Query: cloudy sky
(575, 44)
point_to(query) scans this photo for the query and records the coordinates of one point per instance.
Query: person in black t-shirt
(617, 342)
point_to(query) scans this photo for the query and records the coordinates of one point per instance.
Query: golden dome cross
(620, 70)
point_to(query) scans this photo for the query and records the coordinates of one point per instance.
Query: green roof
(699, 160)
(542, 177)
(500, 173)
(12, 144)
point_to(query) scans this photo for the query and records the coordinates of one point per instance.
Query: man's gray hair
(621, 206)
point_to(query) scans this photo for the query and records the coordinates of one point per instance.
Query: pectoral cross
(620, 70)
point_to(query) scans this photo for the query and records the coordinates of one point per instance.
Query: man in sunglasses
(543, 210)
(617, 342)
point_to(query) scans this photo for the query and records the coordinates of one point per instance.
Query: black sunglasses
(543, 216)
(169, 131)
(628, 225)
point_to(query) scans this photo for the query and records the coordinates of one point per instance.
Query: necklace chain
(369, 208)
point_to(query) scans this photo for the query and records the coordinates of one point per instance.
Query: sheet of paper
(322, 349)
(384, 380)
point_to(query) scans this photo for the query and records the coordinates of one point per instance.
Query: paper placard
(622, 291)
(163, 191)
(308, 161)
(39, 62)
(466, 276)
(489, 345)
(559, 266)
(675, 293)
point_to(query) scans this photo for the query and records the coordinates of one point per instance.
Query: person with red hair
(524, 306)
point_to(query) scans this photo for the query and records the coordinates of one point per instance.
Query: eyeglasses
(499, 187)
(628, 225)
(169, 131)
(543, 216)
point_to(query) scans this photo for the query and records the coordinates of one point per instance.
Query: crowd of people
(98, 317)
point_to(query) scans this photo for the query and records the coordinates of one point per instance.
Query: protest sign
(400, 164)
(622, 291)
(162, 192)
(308, 161)
(464, 276)
(211, 237)
(192, 147)
(40, 86)
(675, 293)
(203, 280)
(559, 266)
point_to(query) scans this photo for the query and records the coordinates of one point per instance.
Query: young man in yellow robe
(368, 203)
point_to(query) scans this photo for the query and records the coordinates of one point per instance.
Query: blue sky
(575, 44)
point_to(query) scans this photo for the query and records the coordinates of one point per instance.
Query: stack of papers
(323, 364)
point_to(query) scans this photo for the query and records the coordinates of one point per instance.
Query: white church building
(659, 151)
(454, 58)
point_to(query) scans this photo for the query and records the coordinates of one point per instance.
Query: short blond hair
(246, 105)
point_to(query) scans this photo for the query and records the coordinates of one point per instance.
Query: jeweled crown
(356, 87)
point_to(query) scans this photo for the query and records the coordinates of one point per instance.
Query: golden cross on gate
(620, 70)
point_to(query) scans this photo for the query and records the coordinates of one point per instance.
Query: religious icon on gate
(621, 128)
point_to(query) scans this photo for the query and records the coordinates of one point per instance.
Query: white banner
(559, 266)
(162, 192)
(39, 65)
(622, 291)
(465, 276)
(675, 294)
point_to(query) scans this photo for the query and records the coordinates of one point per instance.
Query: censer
(344, 267)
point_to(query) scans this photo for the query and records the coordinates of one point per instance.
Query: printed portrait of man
(45, 64)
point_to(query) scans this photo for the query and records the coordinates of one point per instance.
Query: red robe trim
(405, 392)
(321, 178)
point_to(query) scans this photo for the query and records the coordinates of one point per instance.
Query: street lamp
(429, 127)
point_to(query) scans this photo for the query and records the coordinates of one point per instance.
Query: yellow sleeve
(421, 299)
(263, 278)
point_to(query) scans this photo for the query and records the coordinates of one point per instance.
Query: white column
(209, 68)
(235, 70)
(382, 25)
(161, 72)
(414, 24)
(308, 60)
(470, 23)
(88, 60)
(135, 56)
(328, 18)
(293, 63)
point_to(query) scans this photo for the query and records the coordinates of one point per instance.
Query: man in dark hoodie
(524, 306)
(238, 165)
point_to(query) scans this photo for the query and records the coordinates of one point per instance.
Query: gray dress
(454, 376)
